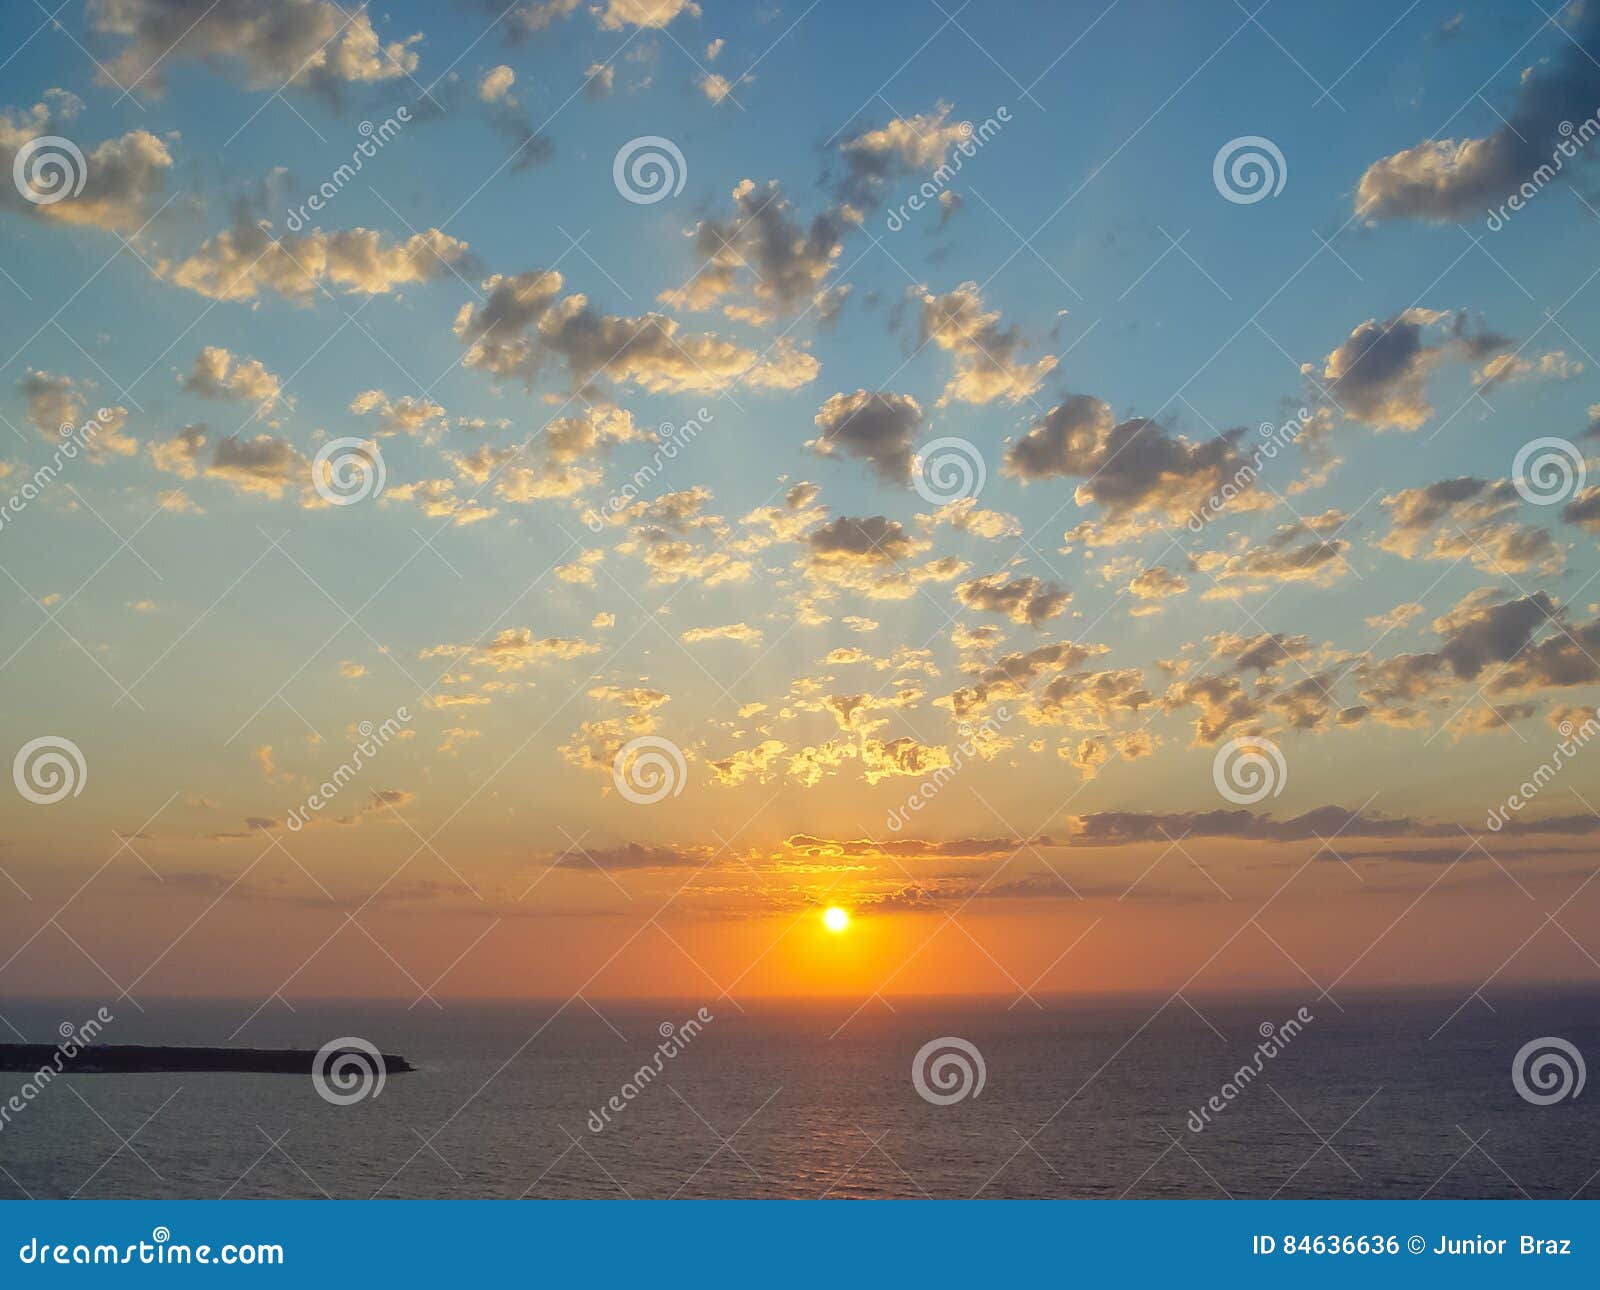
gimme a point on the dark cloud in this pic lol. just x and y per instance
(1454, 179)
(877, 427)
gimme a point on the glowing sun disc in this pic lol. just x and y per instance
(835, 919)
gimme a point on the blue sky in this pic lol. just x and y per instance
(228, 652)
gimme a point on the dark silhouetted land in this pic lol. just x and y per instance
(106, 1059)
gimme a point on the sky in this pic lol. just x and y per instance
(548, 500)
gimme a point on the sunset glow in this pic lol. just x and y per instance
(525, 509)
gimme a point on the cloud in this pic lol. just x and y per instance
(1465, 519)
(180, 455)
(1022, 599)
(870, 555)
(410, 414)
(620, 14)
(218, 374)
(264, 465)
(904, 146)
(879, 428)
(663, 533)
(1584, 509)
(56, 405)
(1485, 635)
(1135, 469)
(54, 402)
(632, 855)
(1510, 369)
(243, 262)
(522, 323)
(1444, 180)
(762, 253)
(313, 44)
(496, 83)
(438, 500)
(987, 362)
(717, 87)
(1379, 374)
(758, 763)
(965, 516)
(741, 632)
(1304, 551)
(512, 649)
(1155, 584)
(1121, 828)
(122, 178)
(1013, 675)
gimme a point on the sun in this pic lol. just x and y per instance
(835, 919)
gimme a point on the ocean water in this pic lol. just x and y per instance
(1397, 1095)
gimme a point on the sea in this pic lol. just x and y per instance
(1380, 1095)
